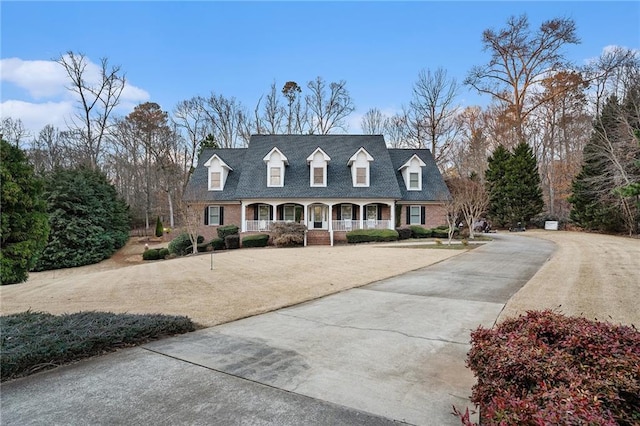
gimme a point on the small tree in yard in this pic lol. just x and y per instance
(452, 214)
(159, 228)
(472, 199)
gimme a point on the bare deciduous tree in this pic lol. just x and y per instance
(432, 112)
(471, 198)
(97, 97)
(520, 60)
(189, 115)
(328, 109)
(13, 131)
(372, 122)
(227, 120)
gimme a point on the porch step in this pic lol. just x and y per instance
(318, 238)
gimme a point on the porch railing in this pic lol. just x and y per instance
(258, 225)
(350, 225)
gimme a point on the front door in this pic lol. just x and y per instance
(318, 217)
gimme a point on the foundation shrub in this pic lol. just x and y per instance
(547, 368)
(287, 234)
(232, 241)
(217, 244)
(151, 254)
(225, 230)
(372, 235)
(164, 252)
(256, 240)
(181, 244)
(418, 231)
(404, 233)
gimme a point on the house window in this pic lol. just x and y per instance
(318, 176)
(346, 210)
(361, 175)
(372, 212)
(415, 215)
(214, 215)
(274, 176)
(414, 180)
(215, 180)
(289, 213)
(264, 212)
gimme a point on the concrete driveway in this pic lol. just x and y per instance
(390, 352)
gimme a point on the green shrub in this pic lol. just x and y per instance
(232, 241)
(287, 233)
(546, 368)
(256, 240)
(164, 252)
(34, 341)
(442, 231)
(204, 247)
(181, 244)
(159, 228)
(225, 230)
(404, 233)
(217, 244)
(418, 231)
(151, 254)
(372, 235)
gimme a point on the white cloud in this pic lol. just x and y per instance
(47, 99)
(41, 79)
(35, 116)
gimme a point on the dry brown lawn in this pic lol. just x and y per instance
(596, 276)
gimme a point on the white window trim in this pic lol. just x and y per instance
(209, 214)
(354, 165)
(313, 165)
(223, 169)
(342, 209)
(418, 185)
(410, 167)
(419, 222)
(283, 163)
(215, 188)
(280, 183)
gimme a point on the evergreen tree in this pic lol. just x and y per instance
(592, 203)
(159, 228)
(23, 222)
(523, 190)
(88, 220)
(495, 176)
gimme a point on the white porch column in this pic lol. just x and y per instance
(361, 216)
(243, 218)
(331, 223)
(305, 206)
(274, 214)
(392, 224)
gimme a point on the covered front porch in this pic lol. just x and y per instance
(334, 217)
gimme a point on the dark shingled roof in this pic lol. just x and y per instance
(248, 180)
(433, 186)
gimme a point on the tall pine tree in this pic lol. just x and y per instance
(592, 201)
(523, 186)
(513, 184)
(495, 177)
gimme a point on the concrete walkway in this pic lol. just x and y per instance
(387, 353)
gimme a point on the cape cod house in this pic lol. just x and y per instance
(331, 183)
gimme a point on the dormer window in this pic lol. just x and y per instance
(318, 162)
(218, 172)
(276, 162)
(412, 173)
(359, 163)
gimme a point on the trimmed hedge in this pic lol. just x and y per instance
(217, 244)
(224, 231)
(232, 241)
(546, 368)
(151, 254)
(256, 240)
(181, 244)
(34, 341)
(372, 235)
(404, 233)
(164, 252)
(418, 231)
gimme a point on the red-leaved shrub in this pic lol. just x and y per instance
(544, 368)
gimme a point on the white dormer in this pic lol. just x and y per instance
(275, 161)
(359, 163)
(318, 161)
(218, 172)
(412, 173)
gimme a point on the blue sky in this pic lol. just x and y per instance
(173, 51)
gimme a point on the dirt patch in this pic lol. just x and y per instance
(242, 282)
(590, 275)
